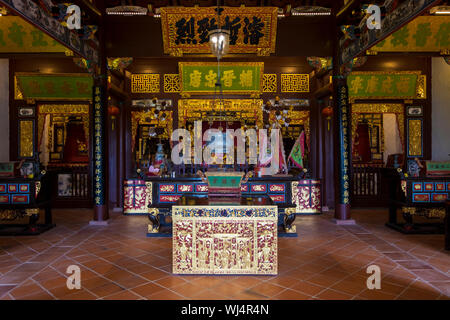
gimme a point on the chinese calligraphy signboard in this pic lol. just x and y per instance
(392, 21)
(55, 86)
(17, 36)
(373, 85)
(252, 30)
(37, 16)
(424, 34)
(236, 78)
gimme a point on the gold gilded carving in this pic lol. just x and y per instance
(176, 52)
(244, 109)
(404, 187)
(415, 137)
(37, 186)
(295, 83)
(297, 118)
(167, 188)
(31, 211)
(263, 52)
(431, 213)
(421, 89)
(149, 187)
(153, 228)
(171, 83)
(64, 108)
(294, 192)
(148, 117)
(26, 133)
(269, 82)
(224, 245)
(145, 83)
(267, 16)
(8, 214)
(292, 228)
(258, 188)
(436, 213)
(185, 188)
(18, 95)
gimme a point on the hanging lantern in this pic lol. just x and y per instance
(219, 42)
(113, 110)
(327, 112)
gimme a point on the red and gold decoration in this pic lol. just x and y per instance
(306, 194)
(137, 196)
(252, 30)
(327, 112)
(208, 241)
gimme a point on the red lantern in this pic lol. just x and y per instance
(327, 112)
(113, 110)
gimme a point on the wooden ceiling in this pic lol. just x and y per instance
(228, 3)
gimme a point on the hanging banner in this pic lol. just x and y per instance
(54, 86)
(252, 29)
(423, 34)
(372, 85)
(99, 152)
(236, 78)
(343, 111)
(18, 36)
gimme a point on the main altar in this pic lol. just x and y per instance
(225, 235)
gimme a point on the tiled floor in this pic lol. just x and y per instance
(325, 262)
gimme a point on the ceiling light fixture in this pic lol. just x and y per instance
(127, 11)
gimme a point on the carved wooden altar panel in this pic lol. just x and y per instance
(225, 240)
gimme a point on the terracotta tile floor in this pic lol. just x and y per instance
(325, 262)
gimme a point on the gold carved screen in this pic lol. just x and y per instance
(297, 119)
(244, 110)
(148, 118)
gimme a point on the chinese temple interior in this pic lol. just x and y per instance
(340, 110)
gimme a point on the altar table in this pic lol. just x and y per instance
(225, 235)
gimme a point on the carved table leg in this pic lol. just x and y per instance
(407, 213)
(154, 219)
(289, 218)
(33, 218)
